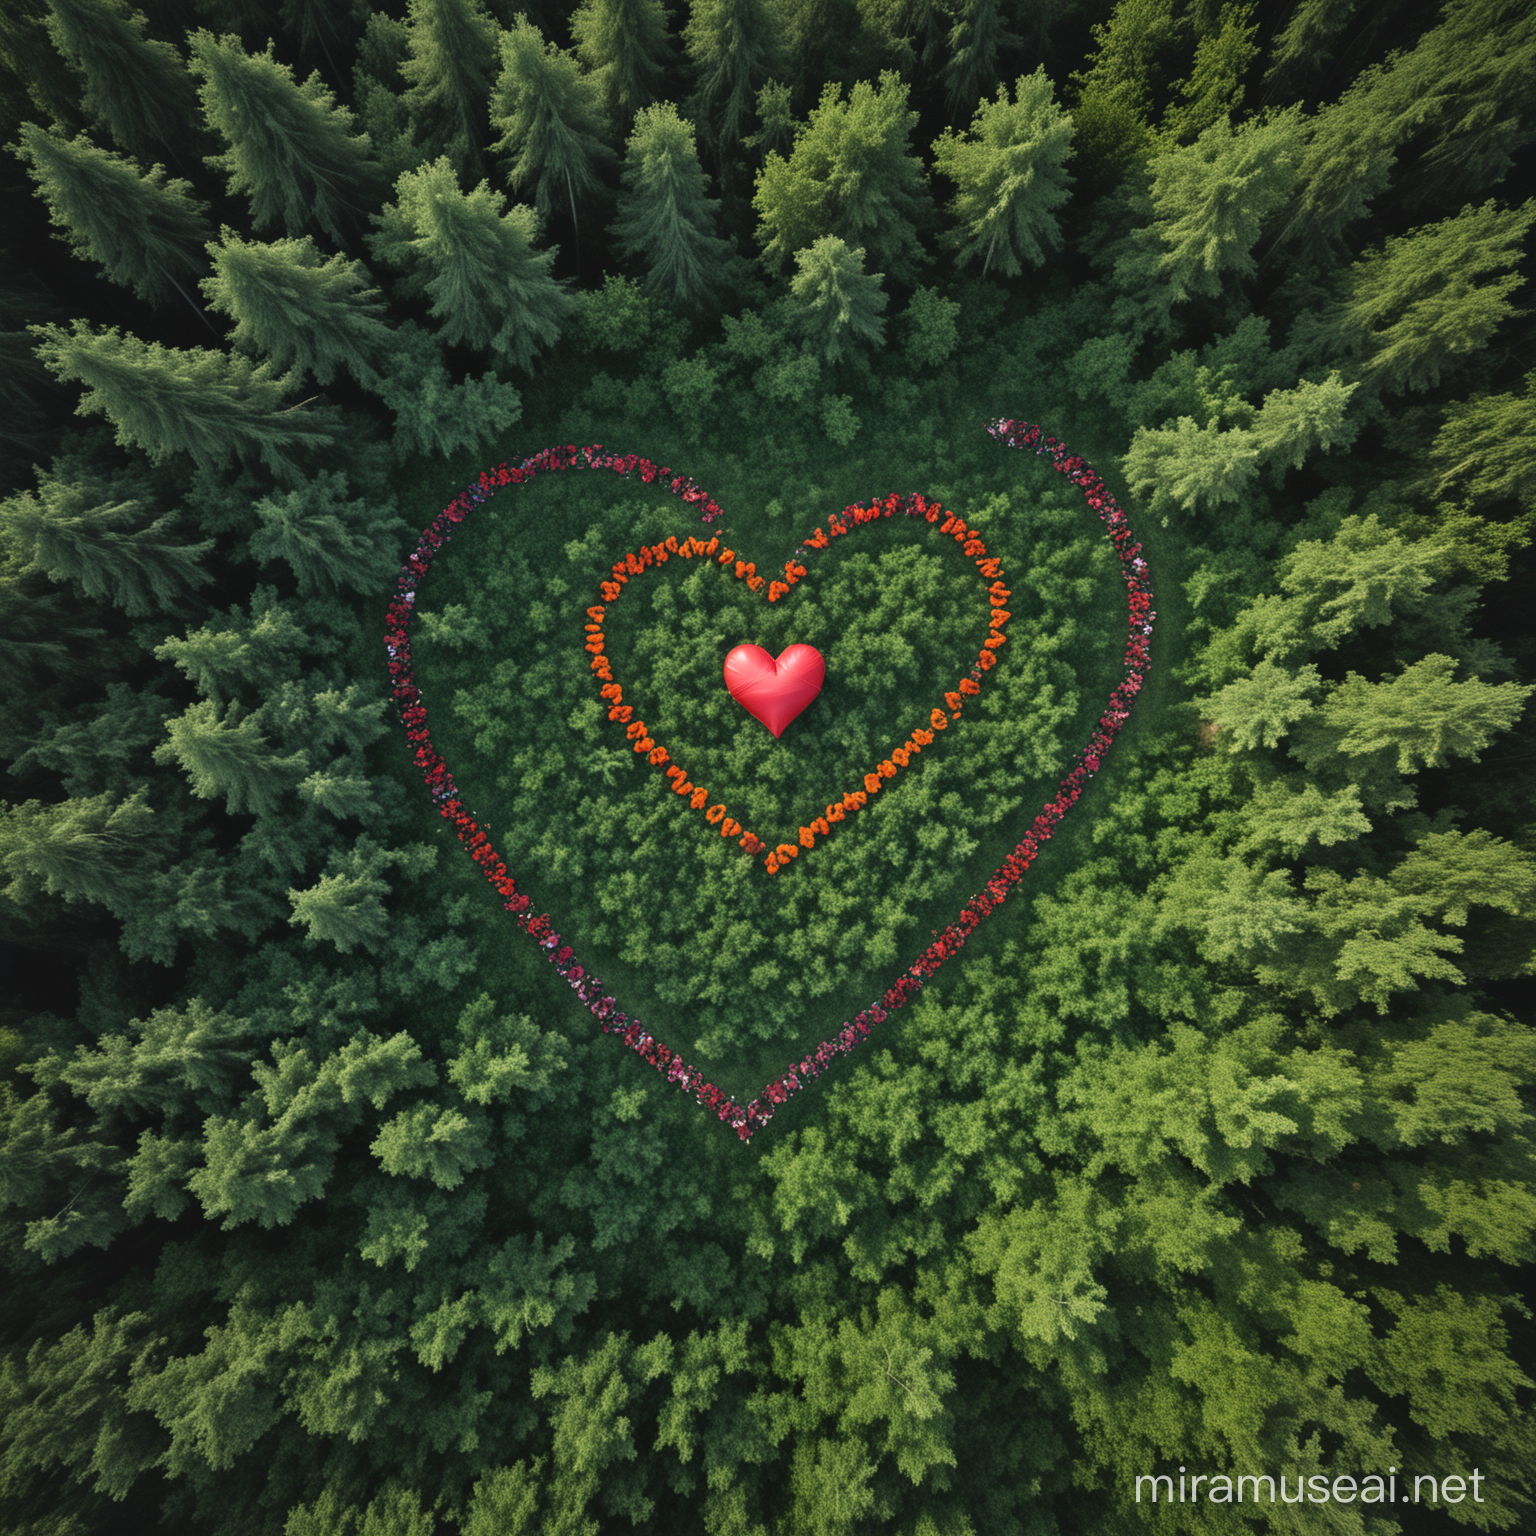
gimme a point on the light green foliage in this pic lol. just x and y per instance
(1115, 93)
(345, 906)
(452, 51)
(1486, 448)
(145, 230)
(837, 305)
(851, 174)
(83, 849)
(1213, 92)
(1191, 467)
(734, 47)
(227, 755)
(1010, 170)
(624, 46)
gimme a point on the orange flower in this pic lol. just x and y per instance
(712, 546)
(715, 814)
(644, 744)
(773, 863)
(1000, 616)
(987, 660)
(755, 583)
(938, 720)
(699, 799)
(990, 568)
(901, 757)
(659, 755)
(855, 800)
(953, 700)
(871, 783)
(886, 769)
(994, 640)
(726, 556)
(611, 691)
(835, 811)
(674, 772)
(621, 712)
(969, 685)
(600, 664)
(787, 851)
(923, 738)
(636, 728)
(671, 543)
(776, 590)
(729, 828)
(595, 614)
(975, 548)
(681, 786)
(820, 825)
(807, 838)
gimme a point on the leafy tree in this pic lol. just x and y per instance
(664, 218)
(169, 400)
(837, 305)
(138, 88)
(226, 755)
(550, 117)
(305, 312)
(850, 174)
(146, 232)
(291, 148)
(448, 73)
(735, 48)
(1010, 170)
(625, 47)
(931, 331)
(489, 287)
(974, 42)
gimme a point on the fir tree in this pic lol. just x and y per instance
(1307, 43)
(346, 906)
(475, 259)
(625, 46)
(90, 849)
(169, 400)
(837, 305)
(138, 88)
(304, 312)
(448, 72)
(227, 756)
(550, 118)
(974, 43)
(146, 232)
(665, 220)
(291, 148)
(432, 413)
(1010, 171)
(1214, 89)
(734, 46)
(328, 540)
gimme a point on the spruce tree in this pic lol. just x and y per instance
(665, 220)
(625, 46)
(291, 148)
(448, 72)
(974, 43)
(90, 849)
(304, 312)
(346, 906)
(138, 88)
(836, 304)
(475, 259)
(329, 540)
(1010, 170)
(146, 232)
(227, 756)
(166, 400)
(735, 46)
(851, 174)
(550, 117)
(1214, 89)
(432, 413)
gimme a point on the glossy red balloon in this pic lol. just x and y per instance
(774, 691)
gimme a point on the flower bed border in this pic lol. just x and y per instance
(746, 1120)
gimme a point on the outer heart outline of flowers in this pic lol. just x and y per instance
(746, 1120)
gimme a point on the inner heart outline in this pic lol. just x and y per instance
(746, 1120)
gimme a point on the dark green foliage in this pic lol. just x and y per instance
(625, 47)
(735, 48)
(448, 74)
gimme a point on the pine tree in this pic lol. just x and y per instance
(1307, 44)
(147, 232)
(346, 906)
(290, 146)
(378, 88)
(836, 304)
(625, 47)
(735, 47)
(328, 540)
(304, 312)
(489, 287)
(432, 413)
(851, 174)
(1486, 449)
(974, 43)
(1190, 466)
(1214, 89)
(448, 71)
(665, 219)
(550, 117)
(227, 756)
(138, 88)
(1010, 170)
(169, 400)
(76, 528)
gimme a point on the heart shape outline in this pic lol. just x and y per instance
(748, 1119)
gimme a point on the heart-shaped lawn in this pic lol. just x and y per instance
(634, 858)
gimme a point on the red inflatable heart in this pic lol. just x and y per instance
(774, 691)
(745, 1120)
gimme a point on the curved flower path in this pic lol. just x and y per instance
(746, 1120)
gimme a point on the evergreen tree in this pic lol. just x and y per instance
(974, 42)
(1486, 449)
(291, 148)
(1010, 171)
(489, 287)
(169, 400)
(1214, 89)
(227, 756)
(1190, 466)
(138, 88)
(734, 46)
(328, 540)
(448, 71)
(432, 413)
(76, 528)
(837, 304)
(346, 906)
(625, 47)
(92, 849)
(378, 88)
(550, 117)
(1307, 43)
(851, 174)
(304, 312)
(664, 219)
(776, 120)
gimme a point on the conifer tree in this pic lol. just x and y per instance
(304, 312)
(327, 539)
(448, 72)
(837, 305)
(432, 413)
(140, 89)
(168, 400)
(550, 117)
(1214, 89)
(1486, 449)
(775, 119)
(974, 42)
(378, 88)
(475, 259)
(735, 47)
(625, 47)
(851, 174)
(291, 148)
(1307, 43)
(227, 756)
(94, 848)
(74, 528)
(146, 231)
(1010, 170)
(346, 905)
(665, 220)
